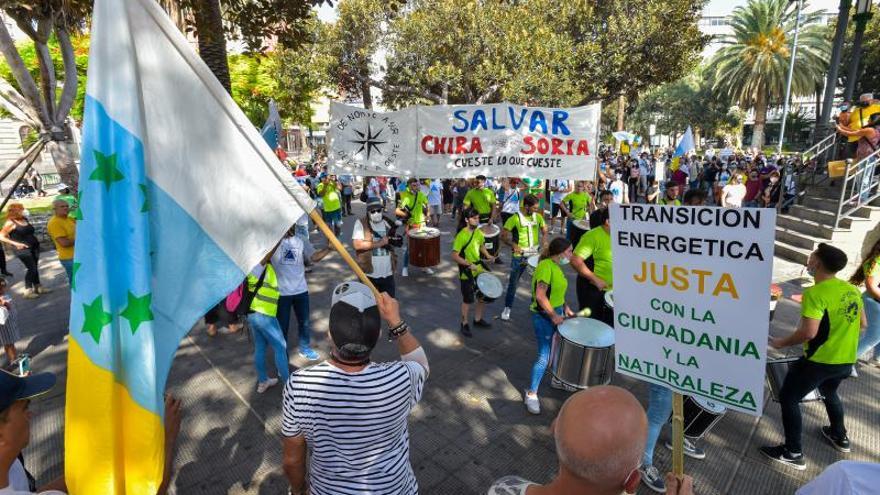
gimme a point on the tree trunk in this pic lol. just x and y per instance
(760, 120)
(64, 156)
(621, 106)
(212, 40)
(365, 93)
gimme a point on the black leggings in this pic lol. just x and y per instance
(30, 257)
(589, 296)
(803, 377)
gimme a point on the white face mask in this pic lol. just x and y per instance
(564, 261)
(773, 180)
(376, 217)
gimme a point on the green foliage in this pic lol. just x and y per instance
(28, 52)
(530, 51)
(869, 63)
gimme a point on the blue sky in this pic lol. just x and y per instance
(724, 7)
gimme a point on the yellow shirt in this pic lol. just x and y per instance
(859, 118)
(62, 227)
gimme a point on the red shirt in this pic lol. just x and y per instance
(753, 189)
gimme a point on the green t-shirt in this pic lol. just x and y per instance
(330, 195)
(664, 201)
(416, 206)
(550, 273)
(481, 199)
(522, 224)
(837, 305)
(471, 250)
(597, 243)
(577, 203)
(872, 267)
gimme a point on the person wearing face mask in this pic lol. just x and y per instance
(859, 118)
(832, 316)
(467, 248)
(549, 309)
(619, 188)
(733, 193)
(375, 254)
(770, 196)
(753, 189)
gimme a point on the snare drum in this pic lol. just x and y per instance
(776, 371)
(492, 234)
(700, 415)
(578, 228)
(583, 353)
(424, 247)
(533, 263)
(609, 299)
(489, 287)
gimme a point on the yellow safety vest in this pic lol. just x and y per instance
(266, 299)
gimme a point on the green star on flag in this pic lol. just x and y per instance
(138, 310)
(106, 170)
(76, 214)
(73, 270)
(146, 206)
(95, 318)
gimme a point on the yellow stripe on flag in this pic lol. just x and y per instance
(114, 446)
(674, 165)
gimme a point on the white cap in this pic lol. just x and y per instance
(354, 294)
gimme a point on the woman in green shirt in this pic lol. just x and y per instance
(548, 310)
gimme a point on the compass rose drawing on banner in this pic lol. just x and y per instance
(368, 141)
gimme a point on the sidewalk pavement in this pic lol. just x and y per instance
(470, 428)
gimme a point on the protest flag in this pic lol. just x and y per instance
(685, 145)
(180, 198)
(271, 130)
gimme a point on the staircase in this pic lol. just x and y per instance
(842, 214)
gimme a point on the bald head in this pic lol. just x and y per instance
(600, 435)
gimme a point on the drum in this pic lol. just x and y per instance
(609, 299)
(533, 263)
(424, 247)
(700, 415)
(583, 353)
(578, 228)
(776, 371)
(492, 233)
(489, 287)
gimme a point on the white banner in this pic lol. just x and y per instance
(692, 299)
(498, 140)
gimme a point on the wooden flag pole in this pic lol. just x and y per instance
(315, 215)
(678, 435)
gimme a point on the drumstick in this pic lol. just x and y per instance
(315, 215)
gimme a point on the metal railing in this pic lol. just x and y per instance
(818, 154)
(861, 185)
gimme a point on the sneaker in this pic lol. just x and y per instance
(482, 323)
(839, 443)
(31, 294)
(42, 290)
(505, 315)
(652, 478)
(404, 272)
(309, 353)
(532, 403)
(429, 271)
(559, 385)
(781, 455)
(263, 386)
(466, 330)
(854, 373)
(690, 449)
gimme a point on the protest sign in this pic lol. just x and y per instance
(500, 140)
(692, 299)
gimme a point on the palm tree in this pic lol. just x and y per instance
(752, 66)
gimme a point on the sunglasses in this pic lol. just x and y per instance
(374, 210)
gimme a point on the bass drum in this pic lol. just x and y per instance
(533, 263)
(776, 371)
(578, 228)
(583, 353)
(424, 247)
(492, 234)
(700, 415)
(489, 287)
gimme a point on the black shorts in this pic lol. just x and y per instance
(555, 210)
(468, 291)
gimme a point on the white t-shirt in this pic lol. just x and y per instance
(381, 256)
(355, 425)
(510, 201)
(18, 482)
(733, 194)
(845, 478)
(289, 268)
(510, 485)
(556, 196)
(618, 190)
(434, 193)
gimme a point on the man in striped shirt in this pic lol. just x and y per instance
(351, 414)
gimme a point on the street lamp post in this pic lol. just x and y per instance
(862, 16)
(797, 29)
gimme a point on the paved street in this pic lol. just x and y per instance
(469, 429)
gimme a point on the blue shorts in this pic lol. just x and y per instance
(333, 216)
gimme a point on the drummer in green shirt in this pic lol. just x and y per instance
(548, 310)
(412, 209)
(592, 283)
(574, 207)
(529, 226)
(832, 316)
(467, 247)
(482, 199)
(330, 192)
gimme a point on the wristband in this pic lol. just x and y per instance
(398, 330)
